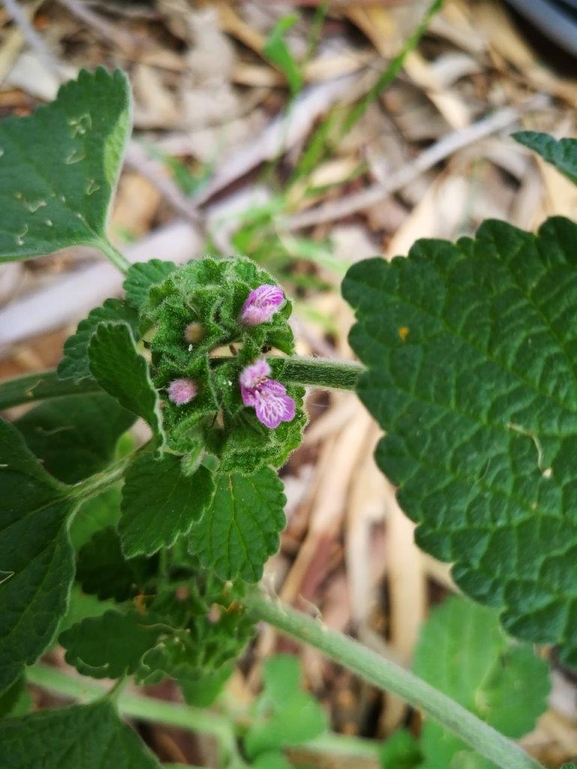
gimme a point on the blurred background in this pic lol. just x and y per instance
(306, 134)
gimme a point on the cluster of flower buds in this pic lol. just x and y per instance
(267, 396)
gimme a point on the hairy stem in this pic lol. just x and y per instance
(206, 721)
(112, 253)
(322, 372)
(40, 386)
(99, 482)
(391, 677)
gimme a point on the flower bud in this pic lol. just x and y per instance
(182, 391)
(261, 304)
(194, 332)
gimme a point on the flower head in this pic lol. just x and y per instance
(182, 391)
(271, 403)
(261, 304)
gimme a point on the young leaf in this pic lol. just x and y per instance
(75, 363)
(75, 436)
(560, 153)
(141, 276)
(285, 714)
(36, 558)
(87, 736)
(160, 503)
(118, 367)
(470, 350)
(108, 646)
(59, 167)
(463, 652)
(240, 529)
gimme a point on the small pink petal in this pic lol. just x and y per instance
(261, 304)
(253, 375)
(274, 407)
(182, 391)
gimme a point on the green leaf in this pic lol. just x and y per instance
(75, 436)
(93, 515)
(560, 153)
(75, 363)
(16, 700)
(271, 760)
(470, 350)
(401, 751)
(463, 652)
(36, 557)
(59, 167)
(123, 372)
(108, 646)
(141, 276)
(240, 529)
(87, 736)
(277, 51)
(103, 570)
(160, 503)
(284, 714)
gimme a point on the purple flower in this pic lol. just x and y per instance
(261, 304)
(269, 398)
(181, 391)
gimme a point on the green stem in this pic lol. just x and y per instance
(322, 372)
(37, 387)
(391, 677)
(99, 482)
(134, 705)
(183, 716)
(117, 259)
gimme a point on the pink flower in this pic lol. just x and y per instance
(181, 391)
(269, 398)
(261, 304)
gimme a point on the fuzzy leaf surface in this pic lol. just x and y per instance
(87, 736)
(160, 503)
(75, 436)
(240, 528)
(463, 652)
(142, 276)
(560, 153)
(75, 363)
(471, 352)
(35, 555)
(108, 646)
(59, 167)
(123, 372)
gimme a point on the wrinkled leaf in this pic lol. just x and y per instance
(141, 276)
(75, 436)
(108, 646)
(560, 153)
(75, 363)
(240, 528)
(120, 370)
(36, 558)
(78, 737)
(471, 352)
(160, 503)
(59, 167)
